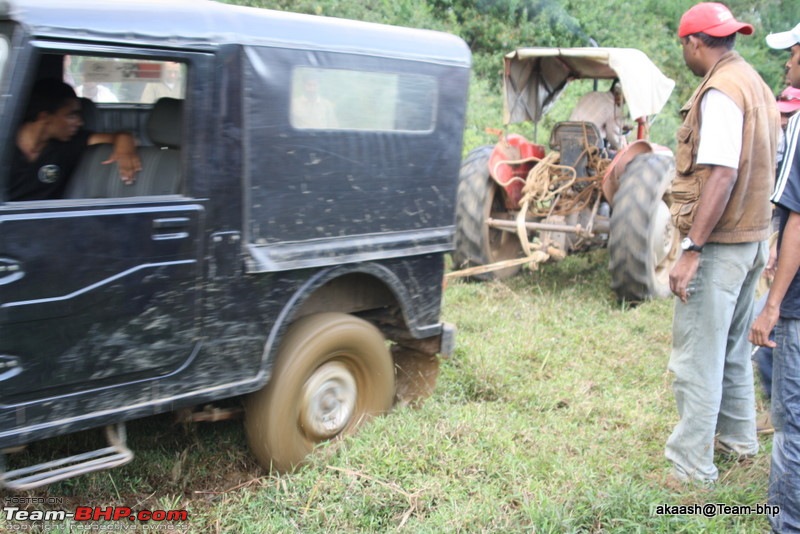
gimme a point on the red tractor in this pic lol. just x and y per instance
(520, 204)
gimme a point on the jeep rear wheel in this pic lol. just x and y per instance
(643, 243)
(479, 199)
(332, 373)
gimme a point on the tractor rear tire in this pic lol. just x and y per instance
(479, 198)
(643, 243)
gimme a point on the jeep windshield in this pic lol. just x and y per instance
(106, 80)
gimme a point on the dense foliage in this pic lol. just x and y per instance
(493, 27)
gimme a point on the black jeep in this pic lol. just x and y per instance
(284, 242)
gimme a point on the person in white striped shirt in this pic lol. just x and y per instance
(782, 311)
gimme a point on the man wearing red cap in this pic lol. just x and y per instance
(782, 311)
(725, 167)
(788, 104)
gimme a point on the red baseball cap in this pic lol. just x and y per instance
(789, 100)
(711, 18)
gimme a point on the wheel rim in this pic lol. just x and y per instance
(502, 245)
(328, 401)
(663, 242)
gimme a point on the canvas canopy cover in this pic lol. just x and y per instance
(535, 77)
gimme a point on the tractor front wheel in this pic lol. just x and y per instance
(643, 243)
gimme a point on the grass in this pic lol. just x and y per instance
(551, 417)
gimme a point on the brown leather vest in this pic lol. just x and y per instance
(746, 217)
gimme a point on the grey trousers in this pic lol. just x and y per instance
(710, 360)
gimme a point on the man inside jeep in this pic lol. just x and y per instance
(170, 85)
(51, 140)
(310, 109)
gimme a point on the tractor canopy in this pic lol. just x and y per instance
(535, 77)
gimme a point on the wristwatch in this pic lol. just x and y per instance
(688, 244)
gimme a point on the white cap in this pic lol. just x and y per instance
(784, 40)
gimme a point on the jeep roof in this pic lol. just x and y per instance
(183, 24)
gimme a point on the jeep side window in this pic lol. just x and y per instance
(340, 99)
(141, 96)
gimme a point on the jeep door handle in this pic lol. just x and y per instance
(10, 271)
(9, 367)
(171, 228)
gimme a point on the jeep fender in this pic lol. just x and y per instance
(301, 303)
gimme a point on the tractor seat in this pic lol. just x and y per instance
(571, 139)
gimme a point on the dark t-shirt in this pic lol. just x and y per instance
(787, 196)
(47, 177)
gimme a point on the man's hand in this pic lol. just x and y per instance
(683, 273)
(763, 325)
(126, 157)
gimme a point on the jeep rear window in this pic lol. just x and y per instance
(338, 99)
(115, 80)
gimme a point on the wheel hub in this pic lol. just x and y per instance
(662, 241)
(328, 401)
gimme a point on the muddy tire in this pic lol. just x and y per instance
(333, 372)
(643, 243)
(479, 198)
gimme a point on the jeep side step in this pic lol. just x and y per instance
(116, 454)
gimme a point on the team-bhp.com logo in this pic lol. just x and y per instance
(93, 513)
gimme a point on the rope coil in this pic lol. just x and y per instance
(549, 189)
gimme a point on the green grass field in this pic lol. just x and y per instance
(551, 417)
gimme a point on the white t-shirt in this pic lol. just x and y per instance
(720, 131)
